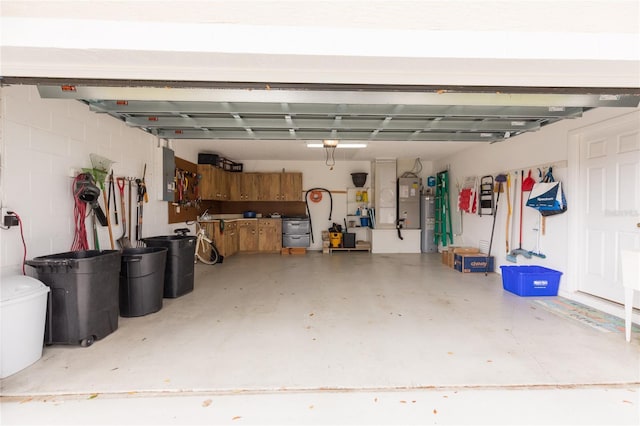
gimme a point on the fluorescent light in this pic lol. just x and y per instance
(342, 145)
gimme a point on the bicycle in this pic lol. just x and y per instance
(206, 250)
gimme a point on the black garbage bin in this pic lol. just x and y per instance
(83, 303)
(142, 280)
(178, 275)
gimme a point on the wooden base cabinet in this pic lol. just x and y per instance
(248, 236)
(269, 235)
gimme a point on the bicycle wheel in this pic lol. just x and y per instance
(207, 252)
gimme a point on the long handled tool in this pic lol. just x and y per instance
(130, 179)
(499, 179)
(538, 253)
(106, 206)
(512, 257)
(123, 240)
(112, 189)
(508, 185)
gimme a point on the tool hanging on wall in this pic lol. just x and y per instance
(486, 196)
(506, 233)
(130, 180)
(500, 179)
(112, 190)
(512, 257)
(123, 241)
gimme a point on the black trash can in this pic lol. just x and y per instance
(178, 275)
(83, 303)
(142, 280)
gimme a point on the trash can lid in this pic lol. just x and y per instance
(20, 286)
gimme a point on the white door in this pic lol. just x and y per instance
(610, 184)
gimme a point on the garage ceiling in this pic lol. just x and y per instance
(255, 112)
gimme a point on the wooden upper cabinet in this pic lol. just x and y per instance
(268, 185)
(205, 186)
(290, 186)
(249, 187)
(234, 183)
(221, 185)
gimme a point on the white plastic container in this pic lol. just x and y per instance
(23, 309)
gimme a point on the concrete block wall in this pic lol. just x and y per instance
(43, 141)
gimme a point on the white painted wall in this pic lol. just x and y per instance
(547, 146)
(41, 141)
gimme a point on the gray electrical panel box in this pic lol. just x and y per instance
(168, 174)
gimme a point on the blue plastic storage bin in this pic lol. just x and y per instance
(530, 280)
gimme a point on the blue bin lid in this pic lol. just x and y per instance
(18, 287)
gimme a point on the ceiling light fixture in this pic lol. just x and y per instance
(329, 149)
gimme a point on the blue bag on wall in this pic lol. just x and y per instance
(548, 196)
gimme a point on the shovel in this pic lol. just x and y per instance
(123, 240)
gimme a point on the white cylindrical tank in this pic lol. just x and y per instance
(23, 308)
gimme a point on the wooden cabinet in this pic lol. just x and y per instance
(230, 236)
(220, 185)
(205, 186)
(290, 186)
(248, 235)
(234, 182)
(226, 240)
(268, 185)
(213, 184)
(248, 186)
(269, 235)
(245, 235)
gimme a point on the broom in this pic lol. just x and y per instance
(499, 179)
(512, 257)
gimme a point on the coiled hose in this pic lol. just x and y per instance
(306, 201)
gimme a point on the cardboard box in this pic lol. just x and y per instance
(448, 255)
(473, 263)
(450, 258)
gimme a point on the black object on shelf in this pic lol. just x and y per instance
(142, 280)
(179, 268)
(83, 303)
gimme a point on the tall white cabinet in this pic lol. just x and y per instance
(385, 194)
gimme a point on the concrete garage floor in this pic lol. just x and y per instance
(348, 338)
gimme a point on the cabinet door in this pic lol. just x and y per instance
(268, 186)
(230, 239)
(222, 188)
(248, 235)
(249, 185)
(269, 235)
(291, 187)
(209, 231)
(234, 183)
(205, 186)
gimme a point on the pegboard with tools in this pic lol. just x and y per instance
(186, 201)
